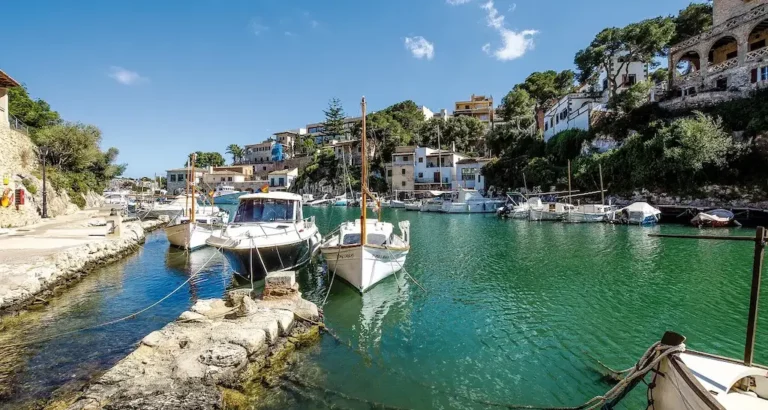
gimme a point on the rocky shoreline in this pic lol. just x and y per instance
(31, 280)
(204, 358)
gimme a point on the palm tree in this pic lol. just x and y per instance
(236, 151)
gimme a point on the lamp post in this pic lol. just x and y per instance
(43, 153)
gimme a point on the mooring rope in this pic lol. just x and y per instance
(646, 363)
(335, 268)
(118, 320)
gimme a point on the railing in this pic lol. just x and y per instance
(721, 28)
(757, 54)
(716, 68)
(689, 76)
(16, 124)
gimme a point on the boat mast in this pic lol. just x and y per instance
(186, 191)
(569, 181)
(364, 179)
(439, 158)
(602, 191)
(194, 200)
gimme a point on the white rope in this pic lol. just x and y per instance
(124, 318)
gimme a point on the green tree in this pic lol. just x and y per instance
(692, 21)
(207, 159)
(517, 103)
(613, 49)
(544, 87)
(467, 133)
(566, 145)
(35, 113)
(632, 98)
(333, 127)
(236, 151)
(70, 146)
(662, 74)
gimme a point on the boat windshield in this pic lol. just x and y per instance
(264, 210)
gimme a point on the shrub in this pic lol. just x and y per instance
(31, 187)
(566, 145)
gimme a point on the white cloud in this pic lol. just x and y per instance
(420, 47)
(289, 34)
(125, 77)
(257, 28)
(457, 2)
(314, 23)
(514, 44)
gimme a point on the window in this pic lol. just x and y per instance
(421, 159)
(405, 159)
(732, 54)
(264, 210)
(229, 179)
(632, 80)
(402, 171)
(421, 175)
(222, 179)
(722, 84)
(389, 172)
(402, 183)
(764, 73)
(173, 177)
(281, 182)
(466, 107)
(605, 84)
(180, 177)
(758, 45)
(546, 126)
(264, 168)
(468, 174)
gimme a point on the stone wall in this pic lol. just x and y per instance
(706, 99)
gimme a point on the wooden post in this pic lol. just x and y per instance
(602, 191)
(757, 272)
(569, 181)
(364, 179)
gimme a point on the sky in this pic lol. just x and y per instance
(165, 78)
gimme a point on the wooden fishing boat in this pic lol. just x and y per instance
(365, 251)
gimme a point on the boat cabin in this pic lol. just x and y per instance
(377, 233)
(269, 207)
(558, 207)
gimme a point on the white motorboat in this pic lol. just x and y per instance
(588, 213)
(307, 198)
(365, 251)
(192, 233)
(640, 213)
(433, 204)
(268, 234)
(116, 199)
(553, 211)
(470, 201)
(412, 205)
(226, 194)
(394, 203)
(177, 207)
(340, 200)
(318, 202)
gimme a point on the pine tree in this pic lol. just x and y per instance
(333, 127)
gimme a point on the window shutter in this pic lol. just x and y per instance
(754, 75)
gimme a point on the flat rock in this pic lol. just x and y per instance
(224, 355)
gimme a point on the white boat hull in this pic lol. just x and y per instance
(189, 236)
(432, 208)
(484, 207)
(540, 215)
(396, 204)
(364, 266)
(581, 217)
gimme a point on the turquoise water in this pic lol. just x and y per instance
(514, 312)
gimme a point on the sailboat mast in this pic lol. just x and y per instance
(186, 191)
(602, 191)
(192, 183)
(364, 180)
(569, 181)
(439, 159)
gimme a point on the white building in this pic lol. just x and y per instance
(469, 174)
(282, 180)
(434, 169)
(574, 111)
(6, 82)
(222, 178)
(259, 153)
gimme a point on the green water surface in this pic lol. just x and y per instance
(514, 312)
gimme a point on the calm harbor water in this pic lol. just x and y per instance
(515, 312)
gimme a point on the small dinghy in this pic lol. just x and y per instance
(716, 218)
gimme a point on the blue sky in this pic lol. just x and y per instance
(165, 78)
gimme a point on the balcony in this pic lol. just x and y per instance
(716, 68)
(434, 165)
(757, 54)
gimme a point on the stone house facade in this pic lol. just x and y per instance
(732, 57)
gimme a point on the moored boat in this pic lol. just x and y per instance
(716, 218)
(588, 213)
(639, 213)
(366, 251)
(192, 233)
(553, 211)
(470, 201)
(267, 234)
(412, 205)
(226, 194)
